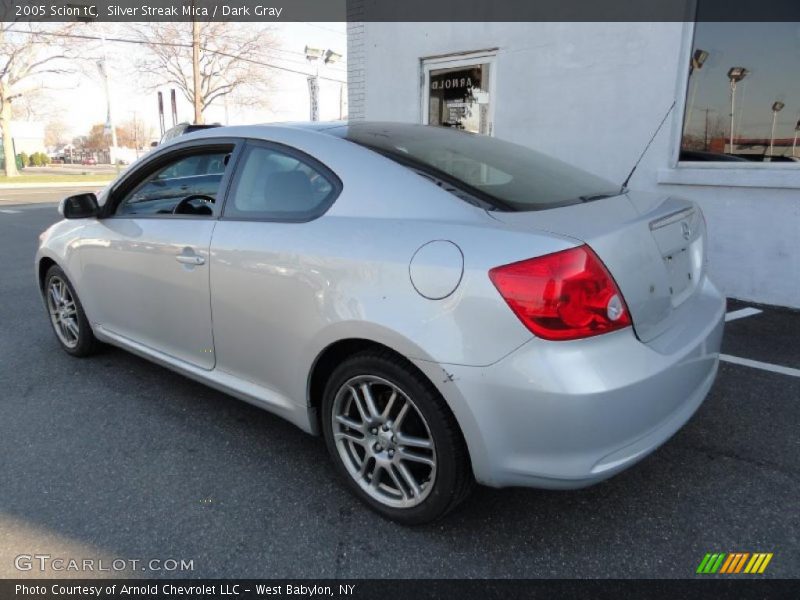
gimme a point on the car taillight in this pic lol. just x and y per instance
(563, 296)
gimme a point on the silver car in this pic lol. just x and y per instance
(444, 308)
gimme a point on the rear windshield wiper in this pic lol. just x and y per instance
(590, 197)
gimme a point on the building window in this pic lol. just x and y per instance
(743, 93)
(457, 92)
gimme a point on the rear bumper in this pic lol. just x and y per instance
(570, 414)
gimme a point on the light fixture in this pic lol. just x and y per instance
(777, 106)
(736, 74)
(698, 58)
(313, 53)
(332, 57)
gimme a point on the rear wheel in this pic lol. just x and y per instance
(393, 438)
(66, 314)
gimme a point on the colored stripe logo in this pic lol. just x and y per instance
(734, 563)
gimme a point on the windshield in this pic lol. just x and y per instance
(497, 174)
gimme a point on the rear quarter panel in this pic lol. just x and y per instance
(283, 292)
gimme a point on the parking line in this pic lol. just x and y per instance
(742, 313)
(757, 364)
(9, 211)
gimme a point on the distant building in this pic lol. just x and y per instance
(28, 136)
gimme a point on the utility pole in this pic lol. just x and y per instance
(136, 133)
(315, 55)
(705, 135)
(198, 106)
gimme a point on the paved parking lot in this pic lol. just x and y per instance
(117, 457)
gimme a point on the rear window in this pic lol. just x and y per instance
(483, 170)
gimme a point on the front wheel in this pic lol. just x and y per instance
(69, 322)
(393, 438)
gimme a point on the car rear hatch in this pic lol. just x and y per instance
(654, 247)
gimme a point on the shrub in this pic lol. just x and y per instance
(39, 159)
(22, 157)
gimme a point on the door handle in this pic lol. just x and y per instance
(190, 260)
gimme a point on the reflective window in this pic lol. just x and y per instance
(458, 97)
(743, 94)
(278, 186)
(185, 186)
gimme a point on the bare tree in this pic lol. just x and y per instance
(55, 133)
(135, 133)
(225, 61)
(28, 52)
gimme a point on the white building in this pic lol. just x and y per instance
(28, 136)
(593, 94)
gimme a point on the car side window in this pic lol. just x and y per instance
(280, 186)
(185, 186)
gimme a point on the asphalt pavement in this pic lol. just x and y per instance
(113, 456)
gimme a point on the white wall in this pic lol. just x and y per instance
(593, 94)
(28, 136)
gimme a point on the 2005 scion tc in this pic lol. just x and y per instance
(442, 307)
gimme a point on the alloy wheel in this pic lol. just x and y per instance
(63, 312)
(384, 441)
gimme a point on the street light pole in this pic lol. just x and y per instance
(777, 106)
(735, 75)
(698, 59)
(102, 67)
(794, 143)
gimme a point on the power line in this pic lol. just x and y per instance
(175, 45)
(278, 50)
(331, 29)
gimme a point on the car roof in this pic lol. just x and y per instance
(338, 128)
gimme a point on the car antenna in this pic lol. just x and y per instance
(646, 148)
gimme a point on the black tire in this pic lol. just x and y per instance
(453, 478)
(86, 343)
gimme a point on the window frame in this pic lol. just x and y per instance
(300, 156)
(161, 158)
(457, 60)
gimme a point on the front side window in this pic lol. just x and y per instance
(743, 93)
(280, 186)
(185, 186)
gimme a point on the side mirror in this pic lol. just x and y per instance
(79, 206)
